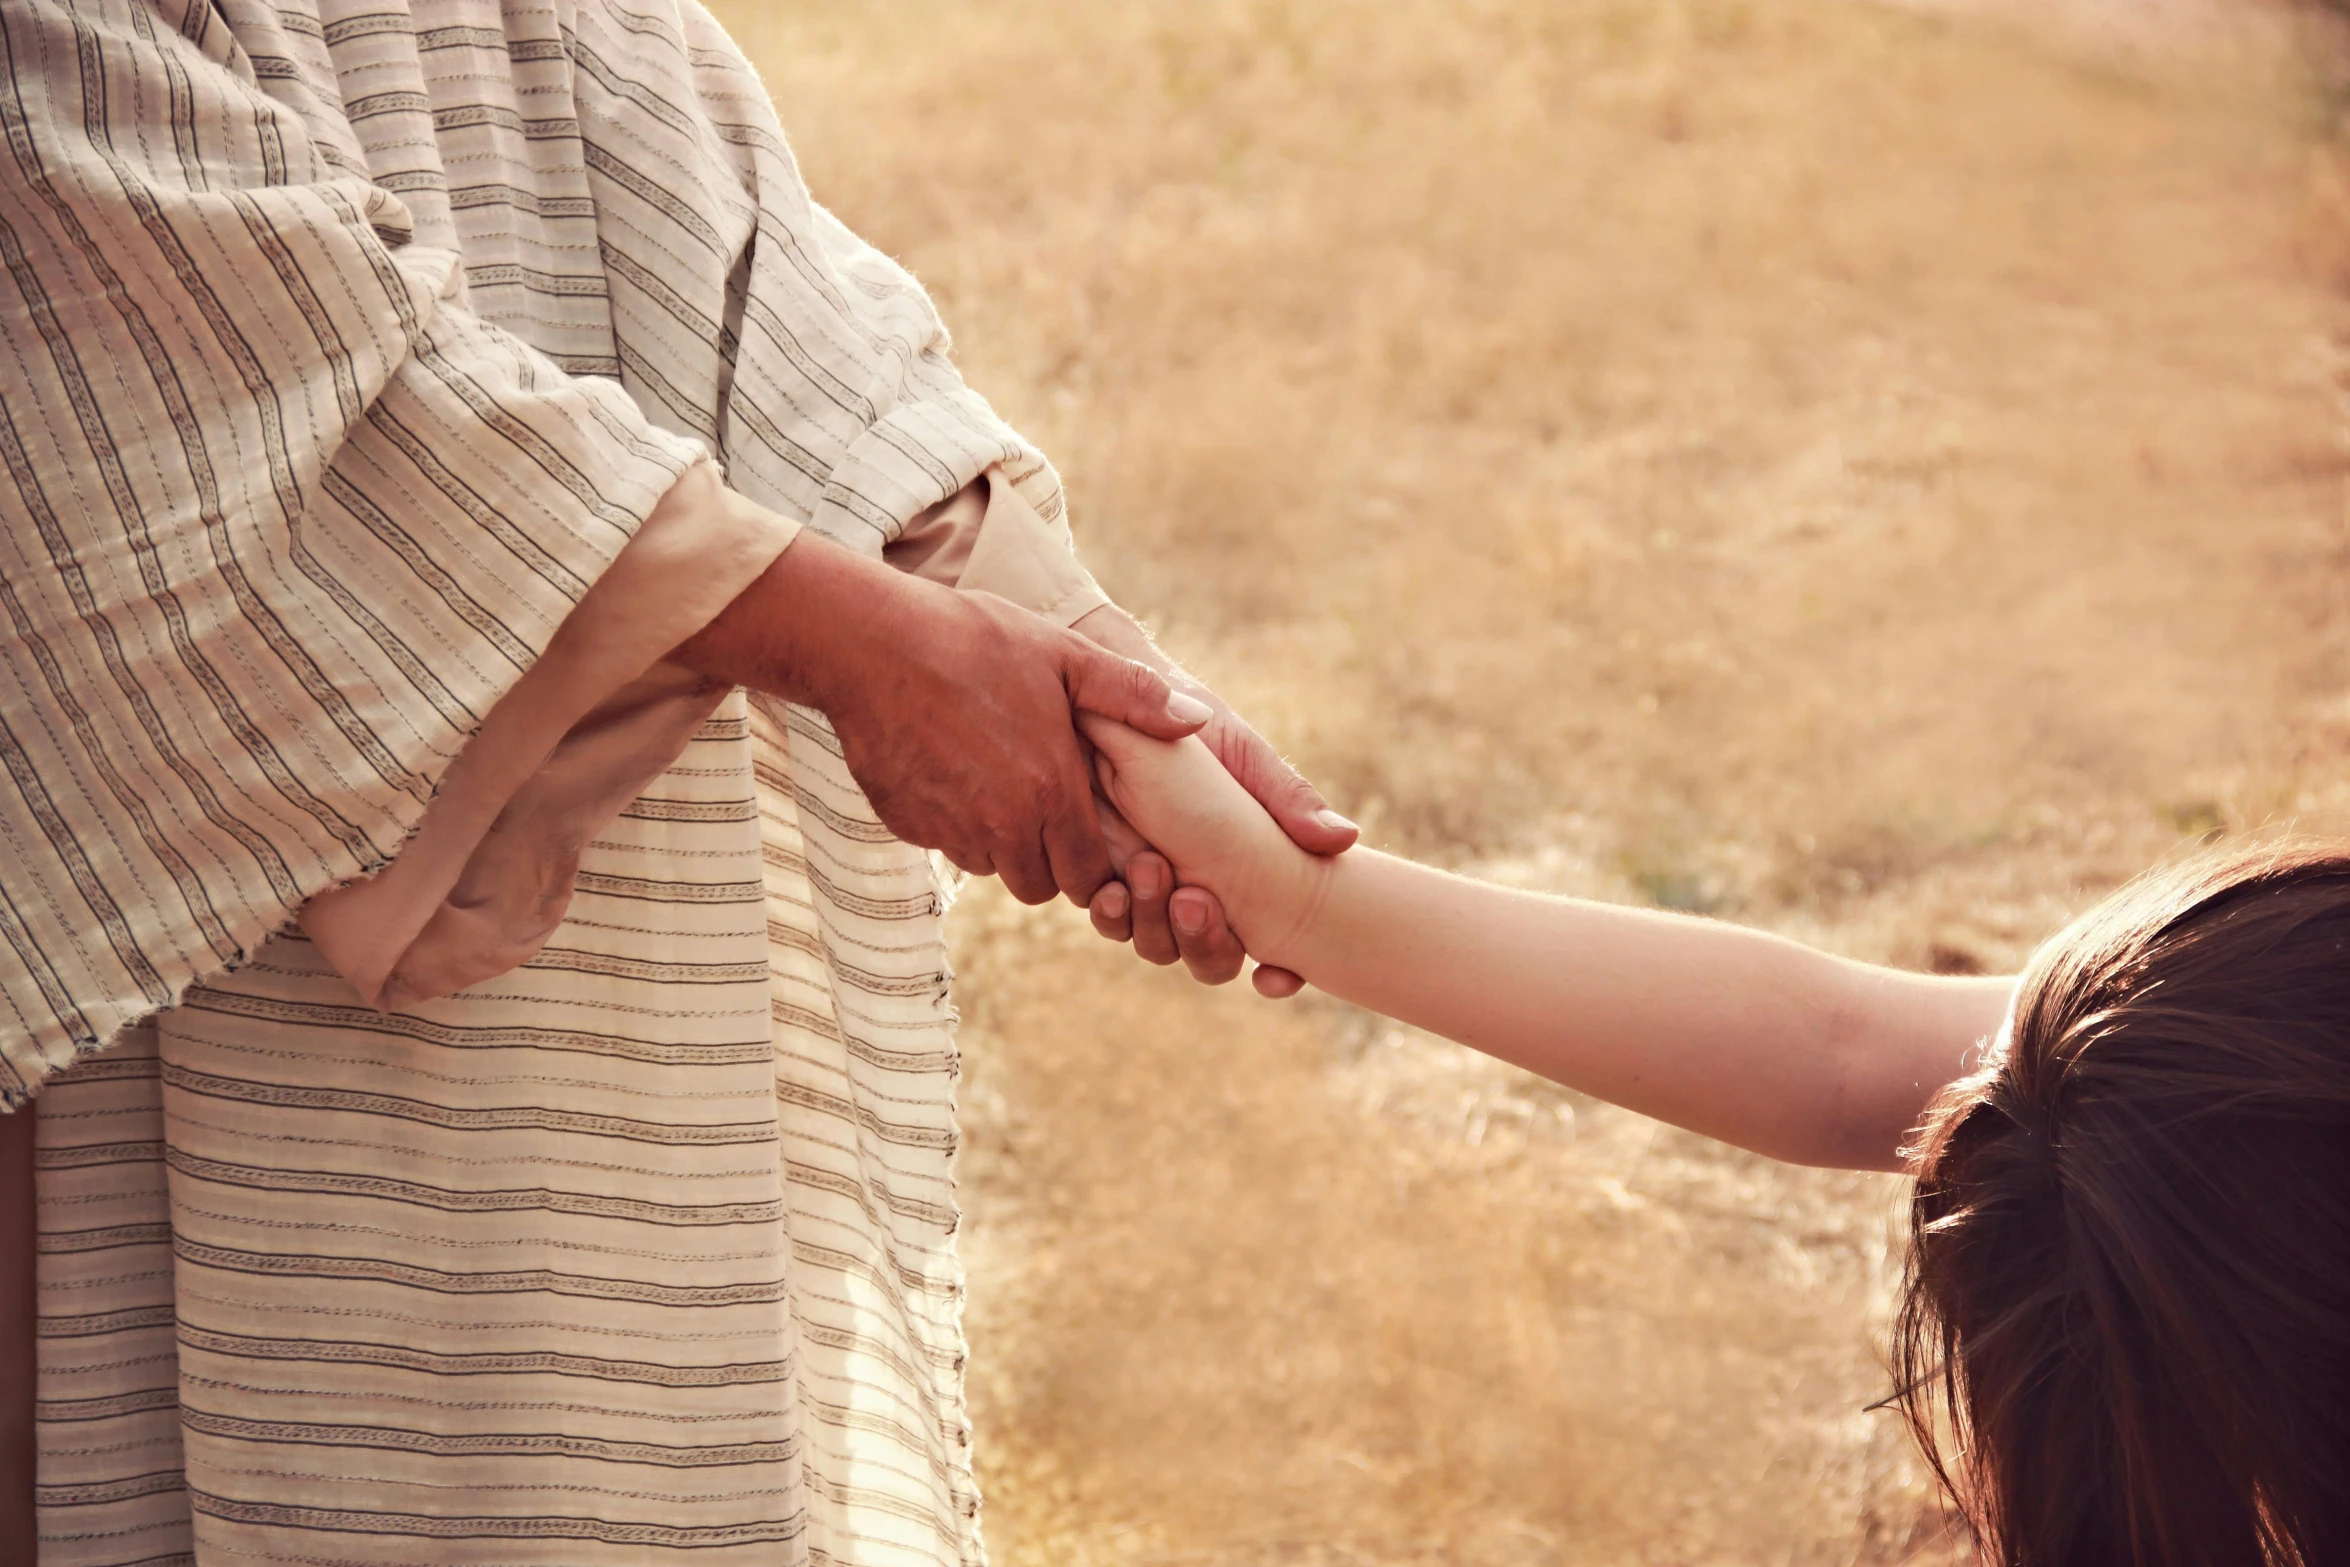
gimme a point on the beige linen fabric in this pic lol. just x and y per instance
(344, 346)
(986, 538)
(490, 871)
(488, 874)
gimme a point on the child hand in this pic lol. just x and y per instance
(1179, 797)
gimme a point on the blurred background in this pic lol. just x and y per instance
(1872, 471)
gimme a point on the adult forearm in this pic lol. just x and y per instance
(954, 711)
(1735, 1033)
(817, 613)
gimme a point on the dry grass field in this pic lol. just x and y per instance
(1872, 471)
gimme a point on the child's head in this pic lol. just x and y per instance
(2127, 1331)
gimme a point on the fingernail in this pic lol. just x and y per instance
(1186, 709)
(1143, 880)
(1190, 917)
(1114, 901)
(1335, 822)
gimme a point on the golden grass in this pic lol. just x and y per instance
(1873, 472)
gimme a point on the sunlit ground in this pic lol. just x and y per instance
(1875, 472)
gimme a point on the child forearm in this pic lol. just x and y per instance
(1734, 1033)
(1740, 1035)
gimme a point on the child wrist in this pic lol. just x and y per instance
(1295, 911)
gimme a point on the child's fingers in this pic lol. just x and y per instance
(1105, 776)
(1125, 843)
(1112, 738)
(1118, 752)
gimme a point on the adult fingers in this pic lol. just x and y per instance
(1296, 804)
(1124, 842)
(1112, 910)
(1210, 950)
(1277, 984)
(1026, 869)
(1150, 879)
(1134, 694)
(1073, 836)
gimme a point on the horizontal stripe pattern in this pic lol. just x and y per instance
(345, 344)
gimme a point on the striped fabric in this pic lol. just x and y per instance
(342, 346)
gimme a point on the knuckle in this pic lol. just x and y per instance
(1143, 684)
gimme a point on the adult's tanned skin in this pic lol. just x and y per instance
(954, 710)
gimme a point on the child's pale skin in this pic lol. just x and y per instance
(1735, 1033)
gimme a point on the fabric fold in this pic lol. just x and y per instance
(1017, 555)
(489, 873)
(343, 353)
(988, 538)
(284, 517)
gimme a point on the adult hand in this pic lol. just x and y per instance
(954, 710)
(1166, 922)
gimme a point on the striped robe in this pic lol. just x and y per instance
(343, 344)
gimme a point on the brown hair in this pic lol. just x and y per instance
(2126, 1331)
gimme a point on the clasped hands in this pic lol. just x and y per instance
(958, 713)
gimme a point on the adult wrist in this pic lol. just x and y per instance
(818, 613)
(824, 608)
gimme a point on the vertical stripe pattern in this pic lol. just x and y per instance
(342, 344)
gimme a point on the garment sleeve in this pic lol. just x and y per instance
(489, 872)
(488, 876)
(817, 364)
(933, 434)
(283, 520)
(986, 538)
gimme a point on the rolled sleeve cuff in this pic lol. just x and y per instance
(1017, 555)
